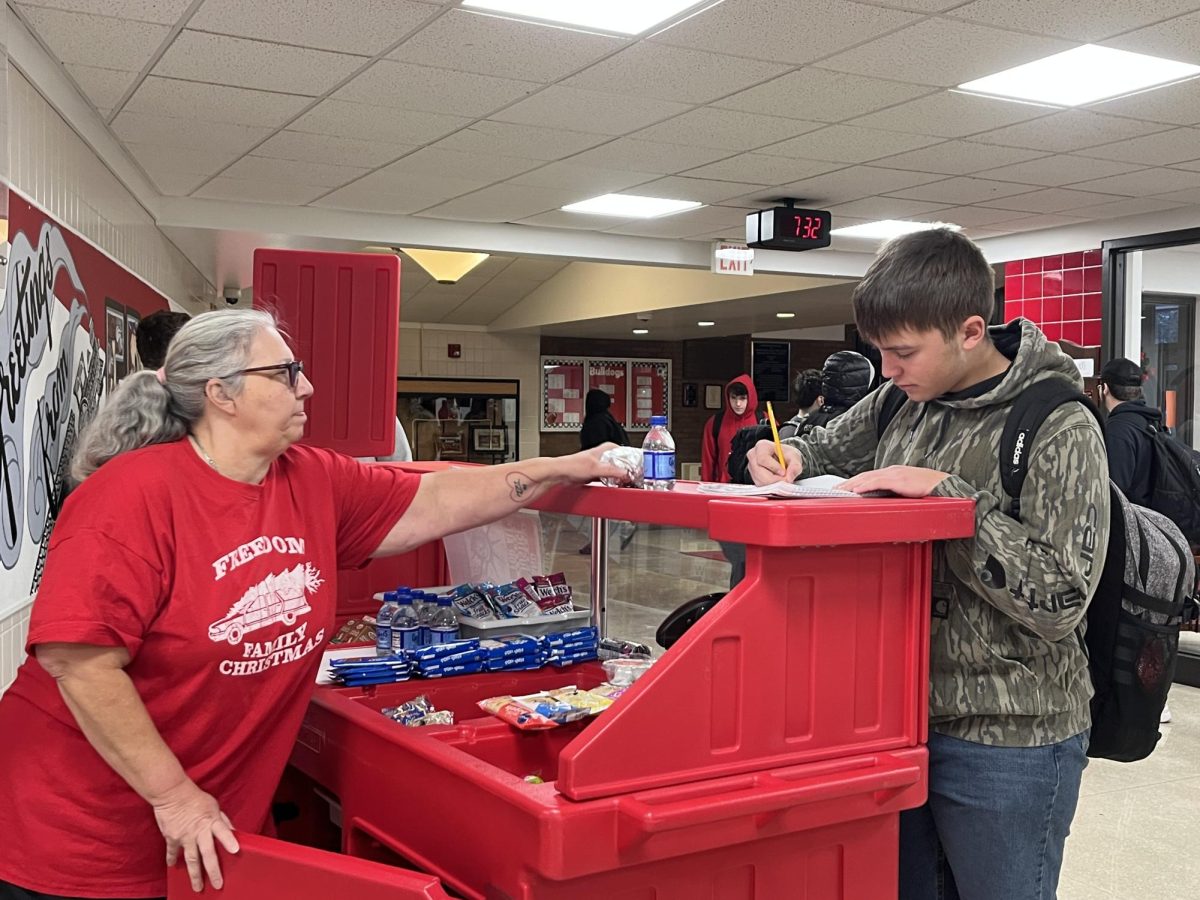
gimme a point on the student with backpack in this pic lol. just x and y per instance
(1010, 690)
(1129, 429)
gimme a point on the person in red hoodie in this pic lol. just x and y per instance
(741, 410)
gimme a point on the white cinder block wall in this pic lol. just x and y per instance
(50, 164)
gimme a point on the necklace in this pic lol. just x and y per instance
(208, 459)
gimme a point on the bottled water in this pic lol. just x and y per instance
(443, 627)
(383, 624)
(658, 456)
(425, 617)
(406, 633)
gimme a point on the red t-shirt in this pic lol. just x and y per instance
(224, 594)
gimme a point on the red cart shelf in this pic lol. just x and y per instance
(767, 754)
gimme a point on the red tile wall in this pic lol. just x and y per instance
(1061, 294)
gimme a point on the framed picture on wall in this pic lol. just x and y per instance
(689, 394)
(562, 393)
(650, 394)
(489, 440)
(712, 396)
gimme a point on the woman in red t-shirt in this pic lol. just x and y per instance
(188, 592)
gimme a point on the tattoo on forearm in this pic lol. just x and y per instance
(521, 485)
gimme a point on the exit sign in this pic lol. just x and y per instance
(732, 259)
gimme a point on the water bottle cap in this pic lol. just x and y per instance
(389, 596)
(443, 601)
(658, 420)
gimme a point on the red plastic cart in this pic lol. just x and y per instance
(766, 755)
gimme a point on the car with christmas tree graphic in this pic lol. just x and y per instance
(277, 598)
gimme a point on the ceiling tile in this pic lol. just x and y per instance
(1050, 200)
(197, 56)
(164, 12)
(521, 141)
(725, 128)
(964, 190)
(941, 52)
(820, 95)
(1177, 38)
(102, 87)
(214, 102)
(793, 33)
(586, 178)
(96, 40)
(872, 208)
(444, 163)
(648, 156)
(170, 131)
(759, 168)
(678, 187)
(1136, 206)
(951, 114)
(1176, 104)
(1147, 182)
(199, 159)
(558, 219)
(1162, 149)
(589, 111)
(329, 148)
(848, 144)
(1191, 166)
(1055, 171)
(535, 269)
(1040, 223)
(176, 184)
(259, 191)
(366, 27)
(376, 123)
(1067, 132)
(393, 194)
(673, 73)
(493, 46)
(685, 224)
(503, 203)
(306, 173)
(1093, 21)
(854, 183)
(971, 216)
(958, 158)
(429, 89)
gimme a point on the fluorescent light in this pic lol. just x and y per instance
(631, 206)
(641, 331)
(889, 228)
(445, 266)
(1082, 75)
(619, 16)
(785, 315)
(706, 324)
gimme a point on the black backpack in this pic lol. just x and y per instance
(1175, 482)
(1132, 627)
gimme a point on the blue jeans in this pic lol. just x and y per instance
(995, 822)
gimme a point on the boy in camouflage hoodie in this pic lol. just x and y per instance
(1009, 683)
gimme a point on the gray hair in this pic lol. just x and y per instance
(142, 411)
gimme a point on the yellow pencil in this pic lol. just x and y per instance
(775, 434)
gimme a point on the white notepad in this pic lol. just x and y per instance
(819, 487)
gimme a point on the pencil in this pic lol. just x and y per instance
(775, 435)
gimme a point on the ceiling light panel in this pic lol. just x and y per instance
(631, 206)
(616, 16)
(1083, 75)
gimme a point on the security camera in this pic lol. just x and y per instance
(232, 296)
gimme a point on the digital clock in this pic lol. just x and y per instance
(788, 228)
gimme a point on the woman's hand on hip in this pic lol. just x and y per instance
(191, 820)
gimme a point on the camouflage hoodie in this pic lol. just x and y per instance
(1007, 664)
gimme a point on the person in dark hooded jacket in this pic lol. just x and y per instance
(599, 425)
(1128, 429)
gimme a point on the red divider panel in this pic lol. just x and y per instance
(342, 312)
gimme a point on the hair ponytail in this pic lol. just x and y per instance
(139, 413)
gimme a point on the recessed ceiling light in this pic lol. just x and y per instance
(706, 324)
(889, 228)
(619, 16)
(631, 206)
(785, 315)
(641, 331)
(1082, 75)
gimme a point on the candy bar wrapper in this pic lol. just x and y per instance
(515, 602)
(509, 645)
(440, 651)
(472, 603)
(588, 700)
(515, 663)
(589, 632)
(355, 631)
(515, 714)
(443, 671)
(438, 717)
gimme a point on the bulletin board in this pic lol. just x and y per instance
(640, 388)
(651, 394)
(612, 377)
(562, 393)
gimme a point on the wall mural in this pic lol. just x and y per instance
(68, 317)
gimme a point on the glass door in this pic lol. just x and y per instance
(1168, 360)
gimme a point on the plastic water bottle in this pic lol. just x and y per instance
(406, 633)
(383, 624)
(443, 627)
(425, 616)
(658, 456)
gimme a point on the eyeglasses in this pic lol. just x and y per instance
(293, 369)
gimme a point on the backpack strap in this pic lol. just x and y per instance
(893, 401)
(716, 426)
(1031, 408)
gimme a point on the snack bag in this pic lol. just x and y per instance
(514, 713)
